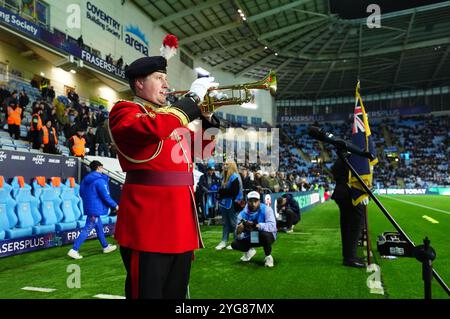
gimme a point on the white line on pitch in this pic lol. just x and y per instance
(104, 296)
(38, 289)
(415, 204)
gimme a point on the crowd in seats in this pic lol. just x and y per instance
(424, 138)
(63, 113)
(41, 207)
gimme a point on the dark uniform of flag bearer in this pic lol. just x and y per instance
(157, 227)
(351, 217)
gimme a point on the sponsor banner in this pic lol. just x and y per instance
(438, 191)
(401, 111)
(68, 237)
(30, 165)
(102, 64)
(16, 246)
(103, 20)
(401, 191)
(58, 39)
(16, 22)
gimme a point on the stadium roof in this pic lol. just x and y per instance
(319, 54)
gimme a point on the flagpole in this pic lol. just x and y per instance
(366, 229)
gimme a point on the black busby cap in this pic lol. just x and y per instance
(145, 66)
(94, 165)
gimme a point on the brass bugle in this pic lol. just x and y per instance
(240, 93)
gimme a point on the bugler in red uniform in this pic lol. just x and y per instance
(156, 218)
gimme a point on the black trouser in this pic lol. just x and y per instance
(14, 131)
(291, 219)
(351, 218)
(266, 240)
(156, 275)
(50, 149)
(103, 150)
(36, 140)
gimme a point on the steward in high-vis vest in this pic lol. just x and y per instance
(14, 119)
(49, 138)
(36, 128)
(77, 144)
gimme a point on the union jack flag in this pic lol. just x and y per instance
(361, 137)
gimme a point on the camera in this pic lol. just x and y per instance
(248, 225)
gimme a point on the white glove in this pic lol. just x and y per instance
(218, 95)
(201, 86)
(365, 201)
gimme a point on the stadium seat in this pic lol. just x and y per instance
(39, 184)
(55, 184)
(70, 205)
(7, 206)
(52, 213)
(5, 185)
(17, 183)
(27, 214)
(70, 183)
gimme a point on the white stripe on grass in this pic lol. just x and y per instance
(105, 296)
(419, 205)
(38, 289)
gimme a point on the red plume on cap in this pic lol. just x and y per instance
(169, 46)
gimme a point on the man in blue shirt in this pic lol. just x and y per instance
(94, 192)
(256, 227)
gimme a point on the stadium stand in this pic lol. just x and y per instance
(41, 208)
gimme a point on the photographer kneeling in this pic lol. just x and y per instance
(256, 227)
(289, 212)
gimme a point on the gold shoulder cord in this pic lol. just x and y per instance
(132, 160)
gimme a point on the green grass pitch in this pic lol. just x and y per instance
(307, 262)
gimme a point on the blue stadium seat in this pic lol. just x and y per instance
(26, 212)
(39, 184)
(70, 205)
(17, 183)
(7, 205)
(70, 183)
(55, 184)
(52, 213)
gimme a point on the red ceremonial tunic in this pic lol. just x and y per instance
(156, 218)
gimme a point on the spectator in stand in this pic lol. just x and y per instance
(73, 96)
(49, 138)
(80, 41)
(51, 94)
(43, 87)
(14, 118)
(102, 139)
(273, 182)
(119, 63)
(36, 127)
(23, 99)
(90, 141)
(77, 143)
(109, 58)
(247, 183)
(207, 182)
